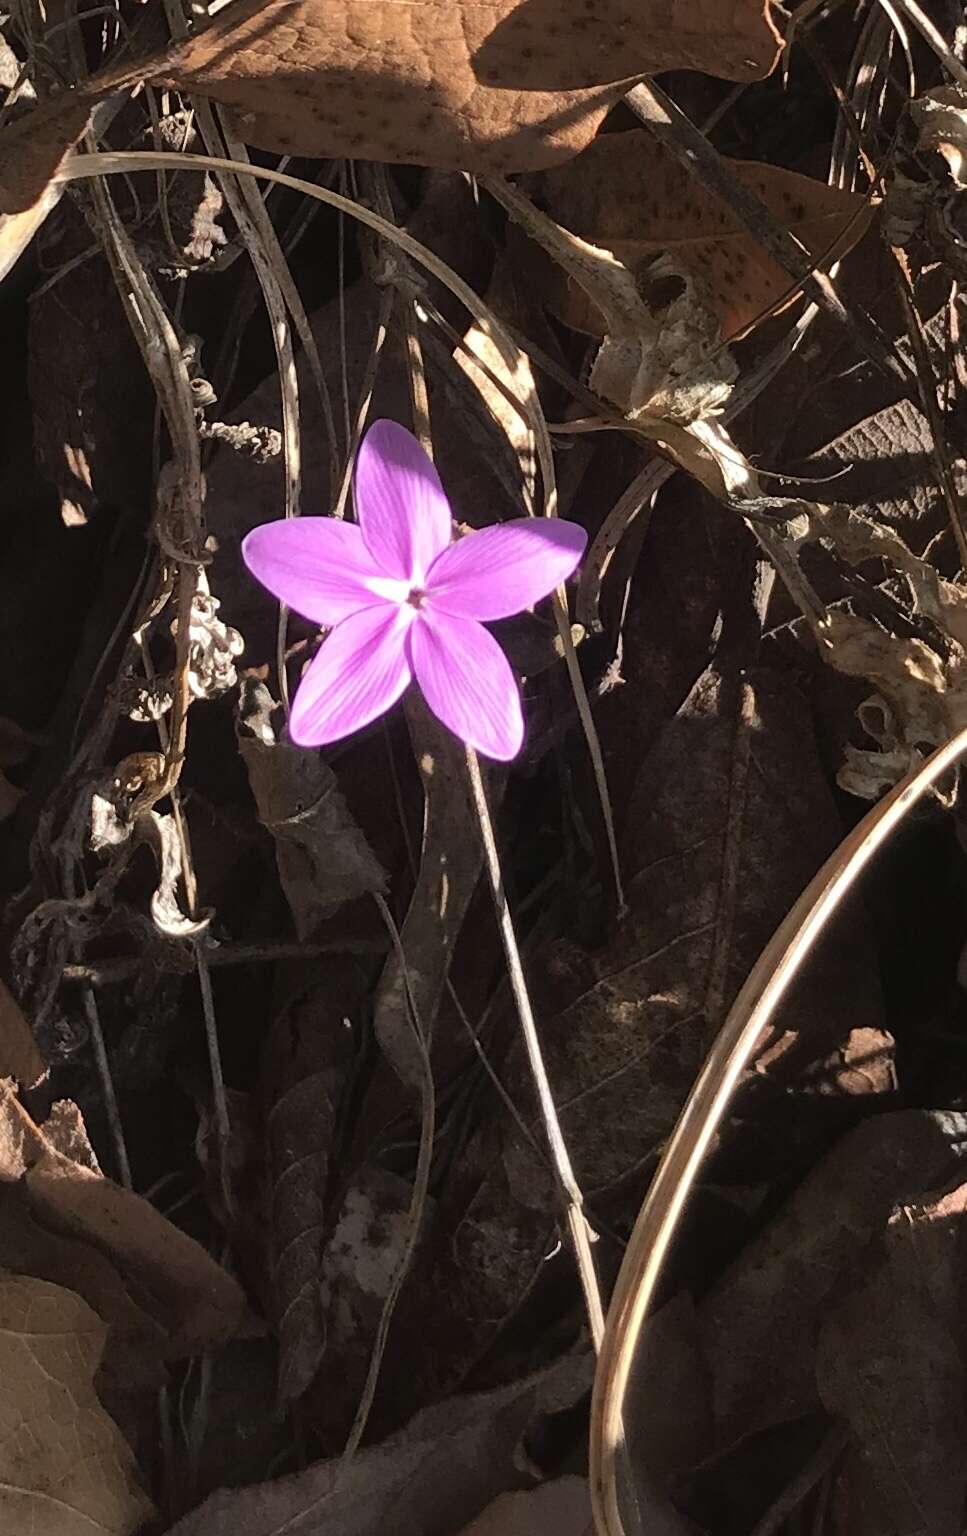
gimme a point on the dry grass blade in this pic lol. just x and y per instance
(568, 1186)
(758, 1000)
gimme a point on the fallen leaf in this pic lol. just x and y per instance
(362, 1257)
(453, 83)
(563, 1506)
(635, 1020)
(65, 1468)
(891, 1362)
(322, 855)
(136, 1345)
(786, 1282)
(188, 1299)
(308, 1059)
(19, 1056)
(850, 1301)
(428, 1480)
(630, 196)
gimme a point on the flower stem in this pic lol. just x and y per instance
(568, 1186)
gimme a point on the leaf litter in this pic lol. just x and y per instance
(219, 1174)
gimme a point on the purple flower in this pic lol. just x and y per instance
(404, 601)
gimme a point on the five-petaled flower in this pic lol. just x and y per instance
(405, 601)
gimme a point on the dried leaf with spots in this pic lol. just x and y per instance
(428, 1480)
(454, 83)
(323, 857)
(65, 1468)
(630, 196)
(188, 1299)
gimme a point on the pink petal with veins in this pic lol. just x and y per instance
(358, 673)
(467, 682)
(400, 504)
(503, 569)
(317, 565)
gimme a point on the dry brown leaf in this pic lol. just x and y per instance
(307, 1062)
(136, 1344)
(428, 1480)
(65, 1468)
(504, 86)
(783, 1283)
(322, 856)
(185, 1295)
(563, 1506)
(629, 195)
(169, 1274)
(19, 1056)
(892, 1363)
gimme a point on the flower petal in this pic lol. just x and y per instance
(500, 570)
(400, 504)
(319, 566)
(358, 674)
(467, 682)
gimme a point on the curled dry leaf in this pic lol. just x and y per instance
(141, 1274)
(921, 683)
(111, 833)
(455, 83)
(322, 856)
(65, 1468)
(630, 196)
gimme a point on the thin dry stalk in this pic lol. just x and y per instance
(107, 1084)
(569, 1189)
(765, 988)
(421, 1185)
(934, 40)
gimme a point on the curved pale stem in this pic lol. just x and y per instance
(768, 982)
